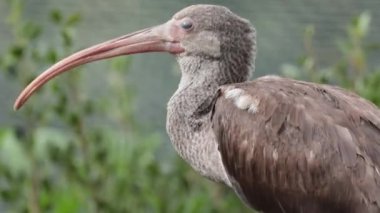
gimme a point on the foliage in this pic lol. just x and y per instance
(75, 153)
(351, 71)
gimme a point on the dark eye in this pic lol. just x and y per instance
(187, 24)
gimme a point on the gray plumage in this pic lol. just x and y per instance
(282, 145)
(214, 56)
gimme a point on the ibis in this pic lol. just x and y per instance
(282, 145)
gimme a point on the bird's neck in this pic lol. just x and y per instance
(188, 118)
(201, 72)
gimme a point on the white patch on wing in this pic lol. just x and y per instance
(243, 102)
(311, 156)
(253, 107)
(275, 155)
(233, 93)
(241, 99)
(377, 171)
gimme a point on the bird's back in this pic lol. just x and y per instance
(292, 146)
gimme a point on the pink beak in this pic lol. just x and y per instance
(155, 39)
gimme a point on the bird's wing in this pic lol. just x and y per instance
(294, 146)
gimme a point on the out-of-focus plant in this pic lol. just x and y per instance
(351, 71)
(75, 153)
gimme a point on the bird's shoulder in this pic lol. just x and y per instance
(289, 136)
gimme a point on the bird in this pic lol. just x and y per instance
(282, 145)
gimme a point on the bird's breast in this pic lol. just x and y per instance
(194, 140)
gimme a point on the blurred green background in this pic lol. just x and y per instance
(95, 141)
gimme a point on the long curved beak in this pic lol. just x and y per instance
(155, 39)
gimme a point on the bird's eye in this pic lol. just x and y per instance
(187, 24)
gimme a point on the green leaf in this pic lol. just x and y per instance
(363, 23)
(67, 37)
(15, 14)
(31, 30)
(73, 20)
(69, 199)
(46, 137)
(51, 55)
(12, 153)
(17, 51)
(56, 16)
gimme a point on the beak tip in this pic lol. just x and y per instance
(17, 105)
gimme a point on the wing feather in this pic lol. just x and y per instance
(307, 147)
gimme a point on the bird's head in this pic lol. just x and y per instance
(207, 32)
(211, 31)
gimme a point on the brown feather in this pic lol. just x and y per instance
(308, 148)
